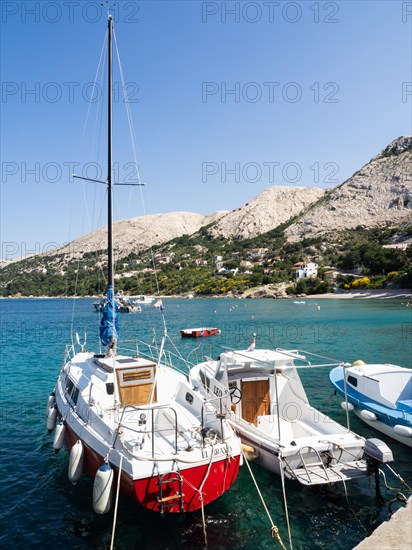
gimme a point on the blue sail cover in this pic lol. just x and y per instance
(109, 324)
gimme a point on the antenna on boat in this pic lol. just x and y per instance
(109, 7)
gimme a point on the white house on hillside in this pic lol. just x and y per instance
(305, 270)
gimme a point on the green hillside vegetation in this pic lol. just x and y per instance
(205, 265)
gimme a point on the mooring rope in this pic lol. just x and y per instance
(116, 503)
(400, 478)
(200, 491)
(282, 477)
(274, 529)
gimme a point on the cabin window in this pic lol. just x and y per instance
(69, 386)
(189, 398)
(205, 381)
(71, 390)
(75, 395)
(352, 380)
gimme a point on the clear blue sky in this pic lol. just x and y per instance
(318, 89)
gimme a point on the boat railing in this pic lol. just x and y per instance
(218, 409)
(306, 357)
(143, 411)
(152, 350)
(146, 419)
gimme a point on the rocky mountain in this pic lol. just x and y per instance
(273, 207)
(276, 205)
(137, 234)
(379, 195)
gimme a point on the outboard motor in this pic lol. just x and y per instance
(377, 452)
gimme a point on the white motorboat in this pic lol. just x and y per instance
(379, 394)
(142, 300)
(279, 429)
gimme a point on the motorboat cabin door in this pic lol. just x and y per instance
(255, 400)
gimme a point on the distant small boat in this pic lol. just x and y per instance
(379, 394)
(122, 304)
(198, 332)
(141, 299)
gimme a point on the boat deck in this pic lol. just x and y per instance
(317, 475)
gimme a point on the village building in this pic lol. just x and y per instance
(305, 270)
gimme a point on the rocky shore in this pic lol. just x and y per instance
(279, 291)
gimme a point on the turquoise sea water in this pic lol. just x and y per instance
(41, 508)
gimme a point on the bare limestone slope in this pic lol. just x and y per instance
(378, 195)
(137, 234)
(276, 205)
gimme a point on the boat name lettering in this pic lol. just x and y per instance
(206, 453)
(217, 391)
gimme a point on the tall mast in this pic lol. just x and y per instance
(110, 277)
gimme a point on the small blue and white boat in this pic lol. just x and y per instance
(380, 394)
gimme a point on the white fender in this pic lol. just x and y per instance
(402, 430)
(51, 418)
(346, 405)
(51, 400)
(76, 461)
(102, 489)
(59, 436)
(368, 415)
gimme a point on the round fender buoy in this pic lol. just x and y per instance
(346, 405)
(102, 489)
(76, 461)
(368, 415)
(51, 400)
(59, 436)
(51, 418)
(402, 430)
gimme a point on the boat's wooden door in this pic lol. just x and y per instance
(255, 400)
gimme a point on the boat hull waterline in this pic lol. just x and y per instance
(145, 491)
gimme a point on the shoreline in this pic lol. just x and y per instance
(255, 294)
(380, 294)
